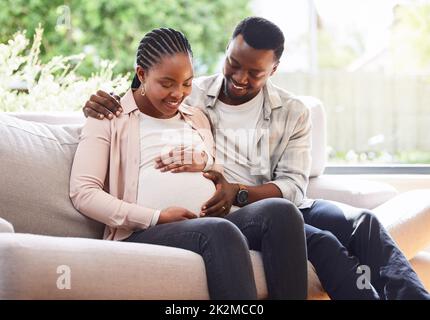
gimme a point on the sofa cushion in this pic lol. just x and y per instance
(318, 118)
(35, 163)
(137, 271)
(358, 193)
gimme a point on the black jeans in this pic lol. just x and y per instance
(340, 238)
(272, 226)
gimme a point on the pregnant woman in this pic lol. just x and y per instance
(115, 180)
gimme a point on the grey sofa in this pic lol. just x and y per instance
(48, 250)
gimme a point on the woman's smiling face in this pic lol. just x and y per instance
(166, 84)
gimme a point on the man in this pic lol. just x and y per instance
(263, 138)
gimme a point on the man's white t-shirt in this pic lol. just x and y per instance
(236, 143)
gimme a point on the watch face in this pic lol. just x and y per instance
(242, 196)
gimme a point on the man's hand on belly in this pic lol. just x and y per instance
(219, 205)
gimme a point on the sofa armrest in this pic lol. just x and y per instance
(407, 218)
(421, 265)
(6, 226)
(355, 192)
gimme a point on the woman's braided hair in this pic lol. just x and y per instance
(157, 44)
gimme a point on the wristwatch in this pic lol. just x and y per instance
(242, 195)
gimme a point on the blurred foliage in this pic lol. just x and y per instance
(410, 41)
(368, 157)
(416, 156)
(337, 54)
(107, 29)
(27, 84)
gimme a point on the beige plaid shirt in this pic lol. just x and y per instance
(284, 140)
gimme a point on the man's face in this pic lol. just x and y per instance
(246, 71)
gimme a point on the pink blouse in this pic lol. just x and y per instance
(105, 171)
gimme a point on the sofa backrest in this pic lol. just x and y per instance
(57, 118)
(35, 164)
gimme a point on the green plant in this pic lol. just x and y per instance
(27, 84)
(106, 29)
(378, 157)
(410, 42)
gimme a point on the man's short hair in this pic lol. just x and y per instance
(260, 33)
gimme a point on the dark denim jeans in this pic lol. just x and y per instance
(272, 226)
(340, 239)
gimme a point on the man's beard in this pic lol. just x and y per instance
(231, 95)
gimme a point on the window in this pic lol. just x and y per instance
(369, 63)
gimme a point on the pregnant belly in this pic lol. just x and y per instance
(160, 190)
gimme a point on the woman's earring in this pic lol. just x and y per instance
(143, 91)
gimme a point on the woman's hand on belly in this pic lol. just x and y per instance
(173, 214)
(182, 159)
